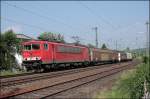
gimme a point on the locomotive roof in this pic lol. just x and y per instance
(103, 50)
(39, 41)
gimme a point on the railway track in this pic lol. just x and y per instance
(29, 77)
(55, 85)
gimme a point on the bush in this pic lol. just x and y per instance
(131, 83)
(134, 85)
(8, 43)
(145, 59)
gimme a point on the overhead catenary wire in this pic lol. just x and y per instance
(33, 26)
(99, 17)
(45, 17)
(114, 27)
(25, 24)
(42, 16)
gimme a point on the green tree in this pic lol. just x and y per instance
(8, 44)
(104, 46)
(49, 36)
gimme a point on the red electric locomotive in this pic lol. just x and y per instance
(44, 54)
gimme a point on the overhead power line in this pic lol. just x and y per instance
(29, 25)
(98, 16)
(42, 16)
(35, 27)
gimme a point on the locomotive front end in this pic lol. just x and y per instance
(31, 53)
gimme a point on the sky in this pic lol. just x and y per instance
(120, 23)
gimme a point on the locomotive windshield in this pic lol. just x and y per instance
(27, 47)
(32, 47)
(35, 46)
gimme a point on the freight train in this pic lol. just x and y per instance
(45, 55)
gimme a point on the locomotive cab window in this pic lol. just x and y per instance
(31, 47)
(35, 46)
(27, 47)
(46, 46)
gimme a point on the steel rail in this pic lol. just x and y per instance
(15, 94)
(27, 78)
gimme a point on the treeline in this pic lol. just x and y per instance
(49, 36)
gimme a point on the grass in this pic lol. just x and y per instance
(10, 72)
(129, 84)
(115, 91)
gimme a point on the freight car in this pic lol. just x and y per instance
(45, 55)
(122, 56)
(103, 56)
(129, 56)
(108, 56)
(94, 55)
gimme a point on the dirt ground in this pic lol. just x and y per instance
(89, 90)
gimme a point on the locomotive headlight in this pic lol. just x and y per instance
(32, 58)
(37, 58)
(25, 59)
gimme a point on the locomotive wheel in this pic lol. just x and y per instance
(28, 69)
(48, 68)
(85, 63)
(72, 65)
(45, 69)
(38, 67)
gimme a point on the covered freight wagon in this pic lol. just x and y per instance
(122, 56)
(108, 55)
(94, 55)
(103, 56)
